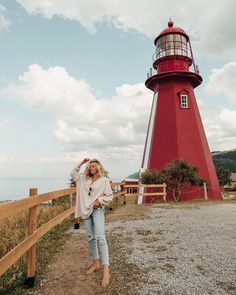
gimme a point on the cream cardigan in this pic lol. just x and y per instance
(88, 192)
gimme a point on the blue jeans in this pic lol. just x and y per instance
(95, 229)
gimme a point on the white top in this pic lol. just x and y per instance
(88, 192)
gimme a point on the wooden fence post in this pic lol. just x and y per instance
(76, 220)
(164, 192)
(205, 191)
(111, 203)
(31, 253)
(125, 192)
(71, 200)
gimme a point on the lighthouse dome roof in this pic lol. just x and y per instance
(171, 30)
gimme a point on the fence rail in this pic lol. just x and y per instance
(34, 234)
(12, 208)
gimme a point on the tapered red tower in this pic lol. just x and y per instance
(175, 129)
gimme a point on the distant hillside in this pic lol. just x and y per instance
(225, 159)
(134, 175)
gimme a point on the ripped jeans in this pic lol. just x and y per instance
(95, 229)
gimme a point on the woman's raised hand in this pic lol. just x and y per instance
(85, 160)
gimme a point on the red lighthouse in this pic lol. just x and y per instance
(175, 129)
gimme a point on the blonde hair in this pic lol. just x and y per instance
(98, 165)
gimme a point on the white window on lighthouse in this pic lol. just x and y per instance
(184, 101)
(171, 44)
(180, 45)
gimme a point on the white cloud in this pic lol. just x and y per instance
(222, 81)
(118, 154)
(204, 20)
(53, 90)
(4, 21)
(4, 122)
(218, 33)
(138, 15)
(6, 159)
(113, 127)
(220, 127)
(219, 122)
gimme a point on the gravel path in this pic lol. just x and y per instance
(185, 249)
(164, 249)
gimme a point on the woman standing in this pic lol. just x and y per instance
(93, 193)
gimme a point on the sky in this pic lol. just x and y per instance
(72, 76)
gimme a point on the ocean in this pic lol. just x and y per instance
(16, 188)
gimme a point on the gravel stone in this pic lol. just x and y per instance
(184, 249)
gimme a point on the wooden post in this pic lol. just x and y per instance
(71, 200)
(164, 192)
(31, 253)
(122, 189)
(111, 203)
(205, 191)
(125, 192)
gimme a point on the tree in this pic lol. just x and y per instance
(223, 175)
(176, 175)
(180, 173)
(152, 176)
